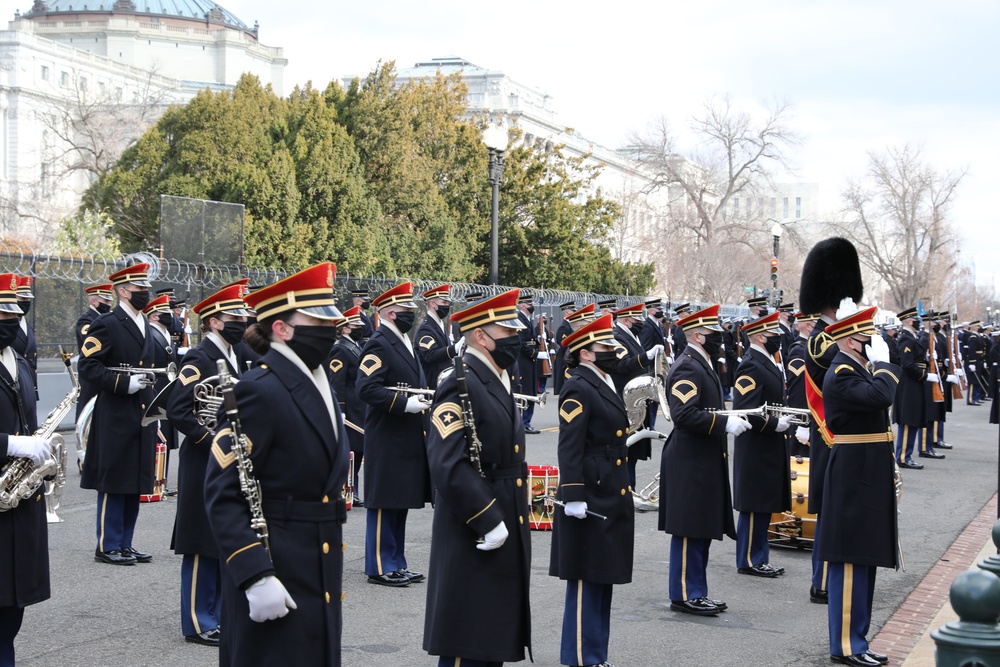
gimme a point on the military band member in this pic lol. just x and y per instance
(435, 347)
(343, 364)
(858, 532)
(633, 361)
(941, 333)
(559, 364)
(758, 309)
(974, 352)
(936, 369)
(99, 302)
(478, 611)
(120, 451)
(223, 324)
(678, 340)
(696, 504)
(592, 553)
(24, 558)
(396, 475)
(360, 299)
(889, 333)
(606, 306)
(158, 315)
(913, 394)
(650, 336)
(761, 476)
(526, 381)
(26, 345)
(284, 603)
(795, 381)
(786, 320)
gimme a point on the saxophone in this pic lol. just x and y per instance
(20, 478)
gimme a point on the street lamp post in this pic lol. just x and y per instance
(495, 138)
(776, 230)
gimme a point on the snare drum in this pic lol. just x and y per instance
(542, 481)
(797, 527)
(159, 475)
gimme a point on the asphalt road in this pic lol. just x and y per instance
(104, 615)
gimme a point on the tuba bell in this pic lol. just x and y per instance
(637, 394)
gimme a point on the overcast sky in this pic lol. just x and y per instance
(860, 75)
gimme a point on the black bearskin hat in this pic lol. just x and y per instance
(831, 273)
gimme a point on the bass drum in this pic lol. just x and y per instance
(83, 431)
(795, 529)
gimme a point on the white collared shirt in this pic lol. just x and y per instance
(138, 318)
(9, 361)
(627, 331)
(392, 327)
(318, 377)
(603, 377)
(504, 377)
(226, 349)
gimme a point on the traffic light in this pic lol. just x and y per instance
(774, 269)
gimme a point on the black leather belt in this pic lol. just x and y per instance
(305, 510)
(495, 471)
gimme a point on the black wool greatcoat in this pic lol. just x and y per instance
(761, 481)
(396, 475)
(24, 534)
(300, 460)
(477, 601)
(83, 323)
(632, 363)
(526, 381)
(343, 365)
(192, 531)
(120, 451)
(593, 468)
(820, 351)
(914, 392)
(164, 353)
(695, 497)
(859, 510)
(433, 349)
(795, 391)
(559, 365)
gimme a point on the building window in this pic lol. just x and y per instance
(45, 73)
(774, 207)
(798, 207)
(784, 209)
(63, 78)
(83, 84)
(101, 88)
(736, 207)
(118, 94)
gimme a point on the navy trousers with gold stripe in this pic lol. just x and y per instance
(385, 541)
(465, 662)
(906, 439)
(688, 565)
(751, 539)
(586, 626)
(819, 567)
(201, 594)
(116, 517)
(852, 590)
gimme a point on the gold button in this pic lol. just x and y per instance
(143, 406)
(626, 459)
(723, 455)
(342, 596)
(629, 487)
(328, 598)
(140, 363)
(618, 462)
(326, 547)
(619, 433)
(517, 448)
(326, 499)
(425, 434)
(520, 481)
(623, 492)
(520, 520)
(343, 546)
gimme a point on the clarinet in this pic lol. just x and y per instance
(244, 466)
(468, 419)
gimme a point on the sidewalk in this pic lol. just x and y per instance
(906, 636)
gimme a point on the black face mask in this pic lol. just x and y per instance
(311, 343)
(25, 306)
(937, 328)
(637, 328)
(8, 332)
(166, 319)
(772, 344)
(607, 361)
(139, 300)
(713, 342)
(356, 334)
(365, 305)
(863, 349)
(505, 350)
(658, 315)
(404, 320)
(442, 311)
(233, 332)
(530, 309)
(103, 308)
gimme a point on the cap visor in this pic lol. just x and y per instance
(322, 312)
(25, 295)
(140, 283)
(237, 312)
(10, 308)
(510, 324)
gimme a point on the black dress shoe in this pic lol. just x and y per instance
(413, 577)
(758, 571)
(698, 607)
(777, 570)
(210, 638)
(114, 557)
(877, 657)
(531, 430)
(943, 445)
(140, 556)
(718, 603)
(858, 660)
(818, 596)
(357, 502)
(931, 454)
(394, 579)
(909, 464)
(169, 492)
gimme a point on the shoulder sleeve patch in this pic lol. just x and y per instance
(370, 364)
(906, 349)
(796, 366)
(744, 384)
(225, 459)
(447, 418)
(679, 391)
(90, 346)
(570, 409)
(622, 351)
(84, 329)
(189, 373)
(843, 367)
(427, 342)
(336, 365)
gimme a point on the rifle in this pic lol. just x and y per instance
(954, 364)
(543, 341)
(937, 390)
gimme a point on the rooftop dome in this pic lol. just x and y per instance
(197, 10)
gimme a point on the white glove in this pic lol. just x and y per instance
(722, 360)
(802, 435)
(414, 405)
(877, 350)
(577, 510)
(643, 434)
(494, 539)
(952, 379)
(739, 360)
(269, 600)
(460, 346)
(670, 339)
(652, 353)
(736, 425)
(959, 372)
(933, 377)
(29, 447)
(972, 367)
(135, 383)
(783, 424)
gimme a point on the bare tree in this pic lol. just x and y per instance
(897, 218)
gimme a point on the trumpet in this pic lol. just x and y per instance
(425, 395)
(797, 416)
(170, 371)
(522, 400)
